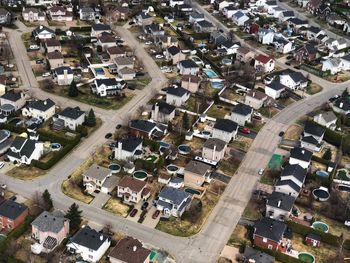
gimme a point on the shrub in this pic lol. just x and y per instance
(320, 160)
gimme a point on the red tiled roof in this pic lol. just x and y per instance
(263, 59)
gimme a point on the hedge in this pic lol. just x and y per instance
(80, 28)
(53, 136)
(320, 160)
(332, 137)
(281, 257)
(12, 128)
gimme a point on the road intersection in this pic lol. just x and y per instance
(206, 245)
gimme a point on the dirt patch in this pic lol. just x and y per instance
(238, 236)
(116, 206)
(293, 132)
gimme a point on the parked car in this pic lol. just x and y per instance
(39, 61)
(133, 212)
(3, 186)
(244, 130)
(148, 43)
(261, 171)
(33, 48)
(159, 56)
(118, 126)
(131, 23)
(108, 135)
(46, 74)
(144, 206)
(281, 134)
(155, 214)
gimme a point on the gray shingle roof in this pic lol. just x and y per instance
(42, 105)
(214, 142)
(12, 96)
(142, 125)
(275, 85)
(177, 91)
(130, 144)
(301, 154)
(280, 201)
(72, 113)
(89, 238)
(47, 222)
(271, 229)
(197, 167)
(242, 109)
(97, 172)
(164, 107)
(258, 256)
(295, 170)
(188, 63)
(226, 125)
(11, 209)
(177, 196)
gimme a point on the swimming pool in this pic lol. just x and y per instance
(217, 84)
(99, 71)
(210, 73)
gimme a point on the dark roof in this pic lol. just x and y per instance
(310, 48)
(309, 139)
(130, 144)
(107, 82)
(41, 105)
(270, 228)
(18, 142)
(295, 170)
(135, 185)
(290, 183)
(130, 250)
(164, 107)
(177, 196)
(173, 50)
(54, 55)
(196, 14)
(214, 142)
(297, 21)
(313, 236)
(197, 167)
(188, 63)
(28, 148)
(314, 29)
(242, 109)
(276, 85)
(101, 27)
(288, 13)
(314, 129)
(301, 154)
(142, 125)
(225, 125)
(72, 113)
(12, 96)
(41, 28)
(204, 23)
(11, 209)
(280, 201)
(89, 238)
(342, 103)
(297, 77)
(177, 91)
(60, 70)
(49, 222)
(52, 42)
(258, 256)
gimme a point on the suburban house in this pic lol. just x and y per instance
(306, 53)
(147, 129)
(191, 83)
(31, 14)
(196, 173)
(52, 45)
(255, 99)
(287, 187)
(316, 34)
(283, 45)
(25, 150)
(239, 18)
(265, 36)
(144, 19)
(41, 109)
(203, 26)
(214, 149)
(312, 137)
(153, 30)
(218, 37)
(253, 255)
(300, 156)
(294, 80)
(341, 105)
(244, 54)
(241, 114)
(60, 13)
(106, 40)
(129, 250)
(274, 89)
(279, 205)
(115, 52)
(107, 87)
(87, 14)
(225, 129)
(327, 119)
(100, 179)
(177, 96)
(333, 65)
(229, 47)
(49, 230)
(163, 112)
(43, 32)
(173, 201)
(296, 23)
(264, 63)
(132, 190)
(195, 16)
(127, 148)
(127, 73)
(124, 62)
(89, 244)
(55, 59)
(294, 173)
(63, 76)
(187, 67)
(313, 240)
(174, 54)
(16, 99)
(271, 234)
(166, 41)
(71, 117)
(12, 214)
(121, 13)
(285, 15)
(335, 44)
(100, 28)
(38, 2)
(5, 17)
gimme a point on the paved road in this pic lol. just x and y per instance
(207, 245)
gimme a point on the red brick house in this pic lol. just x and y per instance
(272, 234)
(12, 214)
(313, 240)
(306, 53)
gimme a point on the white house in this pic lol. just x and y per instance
(294, 80)
(163, 112)
(287, 187)
(173, 3)
(16, 99)
(214, 149)
(41, 109)
(89, 244)
(127, 148)
(241, 114)
(107, 87)
(274, 89)
(285, 15)
(327, 119)
(264, 63)
(71, 117)
(279, 206)
(341, 105)
(301, 157)
(239, 18)
(187, 67)
(195, 17)
(223, 4)
(334, 65)
(177, 96)
(24, 150)
(228, 11)
(225, 129)
(63, 76)
(294, 173)
(336, 44)
(43, 32)
(173, 201)
(283, 45)
(32, 15)
(230, 47)
(265, 36)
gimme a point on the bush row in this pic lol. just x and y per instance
(281, 257)
(320, 160)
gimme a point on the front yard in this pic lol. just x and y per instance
(116, 206)
(25, 172)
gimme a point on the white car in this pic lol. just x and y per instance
(46, 74)
(148, 43)
(3, 186)
(2, 164)
(34, 47)
(261, 171)
(159, 56)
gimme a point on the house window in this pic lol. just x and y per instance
(269, 247)
(91, 256)
(90, 250)
(264, 240)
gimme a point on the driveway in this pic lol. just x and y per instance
(100, 199)
(149, 221)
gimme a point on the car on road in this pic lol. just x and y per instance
(133, 212)
(108, 135)
(2, 164)
(144, 206)
(46, 74)
(159, 56)
(3, 186)
(244, 130)
(261, 171)
(39, 61)
(288, 63)
(118, 126)
(281, 134)
(155, 214)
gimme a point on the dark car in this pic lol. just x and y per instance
(112, 145)
(144, 206)
(108, 135)
(118, 126)
(131, 88)
(133, 212)
(39, 61)
(131, 23)
(288, 63)
(281, 134)
(155, 214)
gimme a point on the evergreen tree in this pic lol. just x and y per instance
(170, 126)
(74, 216)
(327, 155)
(91, 119)
(186, 121)
(46, 196)
(73, 90)
(345, 93)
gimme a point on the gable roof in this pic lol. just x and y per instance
(342, 103)
(276, 85)
(242, 109)
(41, 28)
(297, 77)
(12, 96)
(97, 172)
(296, 171)
(301, 154)
(177, 196)
(177, 91)
(164, 107)
(61, 70)
(11, 209)
(54, 55)
(258, 256)
(173, 50)
(216, 143)
(226, 125)
(271, 229)
(290, 183)
(257, 94)
(280, 201)
(328, 116)
(197, 167)
(130, 250)
(263, 59)
(204, 23)
(101, 27)
(72, 113)
(142, 125)
(191, 78)
(123, 61)
(107, 82)
(132, 183)
(49, 222)
(188, 63)
(42, 105)
(51, 42)
(130, 144)
(89, 238)
(314, 129)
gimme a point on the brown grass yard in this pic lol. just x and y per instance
(25, 172)
(293, 132)
(238, 236)
(116, 206)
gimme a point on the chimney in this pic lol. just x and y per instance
(41, 27)
(303, 151)
(341, 105)
(279, 203)
(45, 102)
(156, 111)
(101, 237)
(118, 151)
(134, 248)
